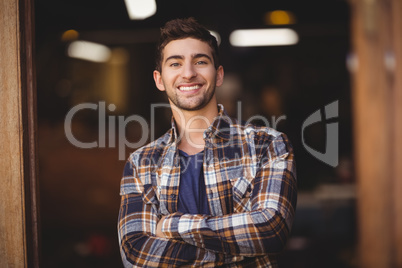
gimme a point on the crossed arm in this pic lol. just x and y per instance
(139, 244)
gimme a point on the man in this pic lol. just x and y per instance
(210, 192)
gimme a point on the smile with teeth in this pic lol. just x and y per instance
(189, 88)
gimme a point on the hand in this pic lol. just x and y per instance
(159, 232)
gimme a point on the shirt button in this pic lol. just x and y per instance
(280, 165)
(172, 196)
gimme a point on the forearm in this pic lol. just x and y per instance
(141, 247)
(243, 234)
(147, 251)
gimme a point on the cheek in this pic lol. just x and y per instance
(169, 77)
(210, 76)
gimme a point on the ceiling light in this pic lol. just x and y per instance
(69, 35)
(263, 37)
(89, 51)
(280, 17)
(140, 9)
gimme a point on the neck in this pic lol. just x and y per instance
(192, 124)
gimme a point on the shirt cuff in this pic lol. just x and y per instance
(170, 225)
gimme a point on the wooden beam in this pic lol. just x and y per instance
(376, 94)
(18, 191)
(372, 150)
(29, 120)
(397, 122)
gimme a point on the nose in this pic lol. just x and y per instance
(189, 71)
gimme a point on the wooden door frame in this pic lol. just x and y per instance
(19, 226)
(28, 79)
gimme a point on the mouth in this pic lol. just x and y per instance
(189, 87)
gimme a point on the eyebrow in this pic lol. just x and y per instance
(201, 55)
(194, 56)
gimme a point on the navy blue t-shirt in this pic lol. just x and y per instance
(192, 191)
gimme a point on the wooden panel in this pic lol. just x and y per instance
(372, 99)
(18, 213)
(29, 125)
(12, 219)
(397, 122)
(377, 99)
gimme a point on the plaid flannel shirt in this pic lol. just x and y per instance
(251, 189)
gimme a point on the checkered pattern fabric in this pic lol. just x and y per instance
(251, 189)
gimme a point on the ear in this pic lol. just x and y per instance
(219, 76)
(158, 81)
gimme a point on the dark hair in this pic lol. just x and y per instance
(184, 28)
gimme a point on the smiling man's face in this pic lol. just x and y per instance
(188, 74)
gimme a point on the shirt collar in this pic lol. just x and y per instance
(219, 128)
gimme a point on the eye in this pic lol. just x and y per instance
(174, 64)
(201, 62)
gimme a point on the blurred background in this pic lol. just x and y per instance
(282, 82)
